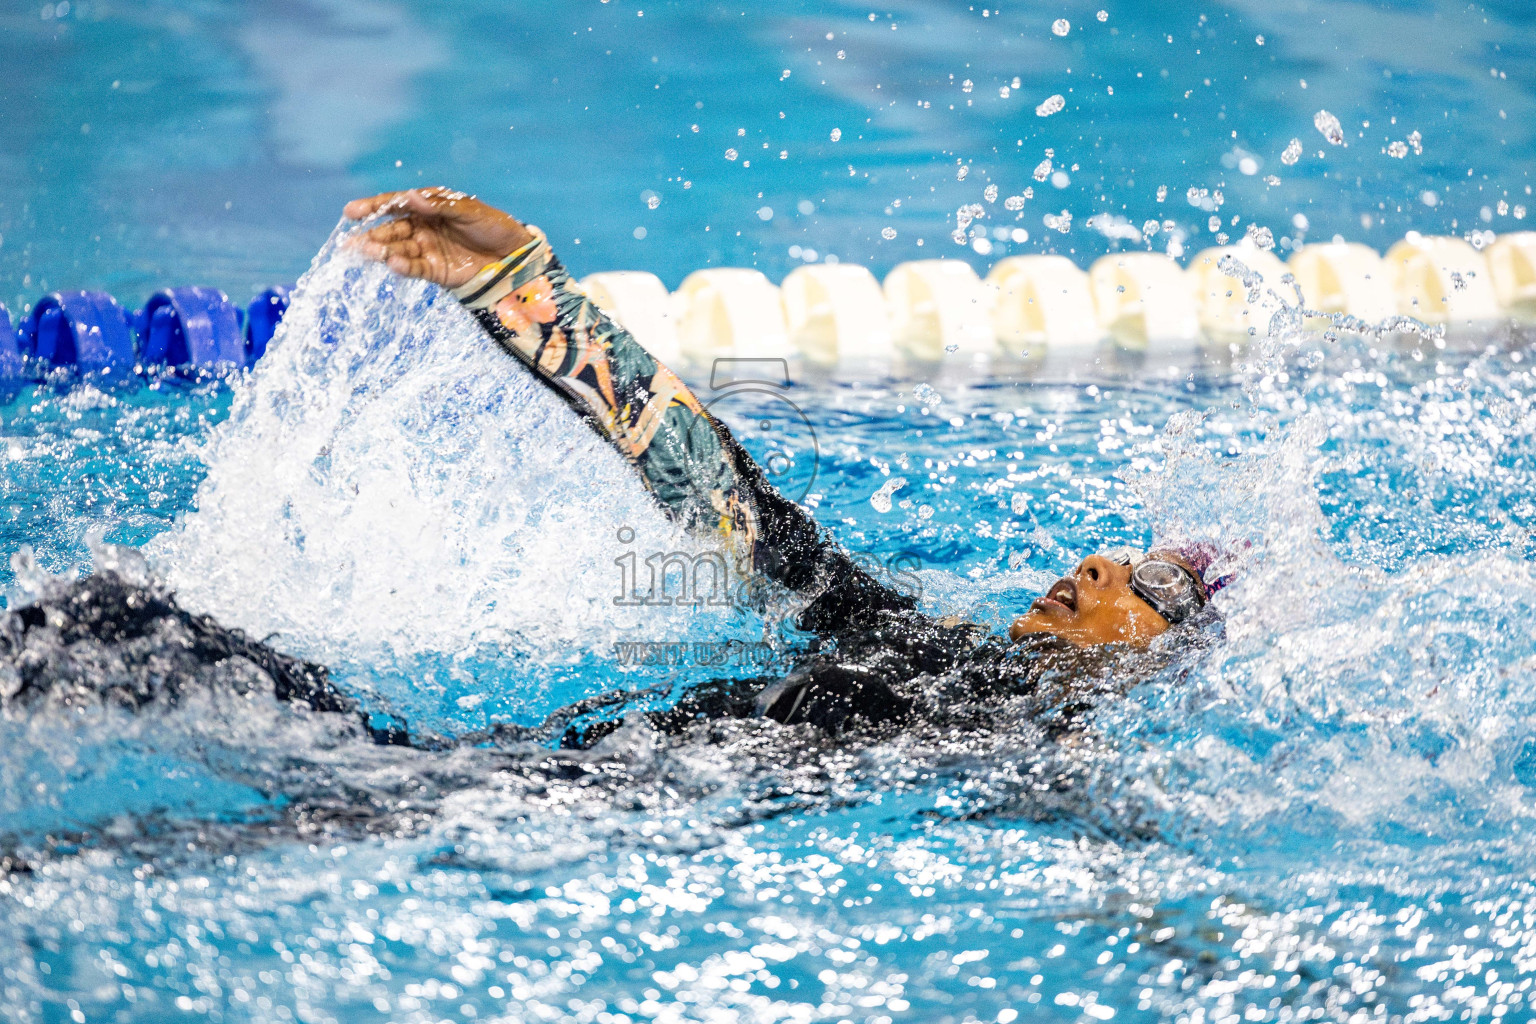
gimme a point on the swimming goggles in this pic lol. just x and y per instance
(1171, 590)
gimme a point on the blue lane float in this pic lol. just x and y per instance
(262, 317)
(12, 364)
(190, 329)
(86, 330)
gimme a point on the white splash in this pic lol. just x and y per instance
(391, 484)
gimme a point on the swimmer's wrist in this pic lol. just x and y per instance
(498, 277)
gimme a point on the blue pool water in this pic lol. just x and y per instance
(1324, 816)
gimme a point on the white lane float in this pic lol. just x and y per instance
(1441, 280)
(641, 303)
(1144, 300)
(1512, 271)
(1344, 277)
(730, 312)
(926, 311)
(1042, 304)
(1225, 312)
(836, 313)
(939, 308)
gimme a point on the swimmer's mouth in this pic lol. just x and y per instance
(1062, 595)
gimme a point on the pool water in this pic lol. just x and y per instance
(1322, 815)
(1318, 817)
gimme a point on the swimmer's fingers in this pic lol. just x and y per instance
(362, 209)
(397, 247)
(437, 201)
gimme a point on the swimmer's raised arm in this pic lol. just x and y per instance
(506, 275)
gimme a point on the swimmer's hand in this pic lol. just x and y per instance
(437, 234)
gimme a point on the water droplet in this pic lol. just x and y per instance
(926, 394)
(653, 202)
(1103, 15)
(1329, 126)
(1061, 26)
(966, 85)
(961, 172)
(841, 54)
(1271, 180)
(1417, 142)
(837, 133)
(925, 511)
(1162, 192)
(1061, 222)
(881, 499)
(1292, 153)
(989, 193)
(1019, 503)
(957, 236)
(1261, 237)
(1051, 105)
(1043, 169)
(888, 233)
(1214, 223)
(1259, 40)
(730, 154)
(1013, 203)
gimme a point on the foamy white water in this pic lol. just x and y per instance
(390, 484)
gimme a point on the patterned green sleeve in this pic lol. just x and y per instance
(690, 462)
(529, 305)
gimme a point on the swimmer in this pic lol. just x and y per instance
(506, 275)
(876, 663)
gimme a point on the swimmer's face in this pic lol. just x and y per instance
(1093, 605)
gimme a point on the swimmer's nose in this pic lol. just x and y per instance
(1096, 571)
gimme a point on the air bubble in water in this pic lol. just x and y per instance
(888, 233)
(1397, 149)
(1292, 153)
(1061, 26)
(1330, 127)
(1051, 105)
